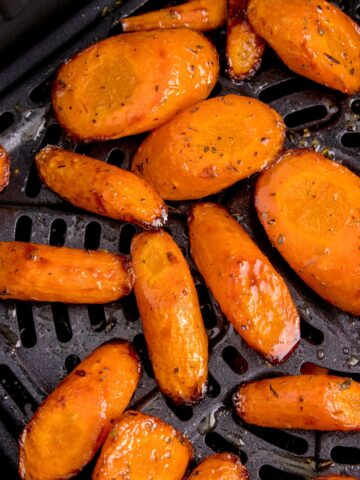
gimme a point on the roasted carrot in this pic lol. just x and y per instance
(308, 402)
(244, 48)
(209, 147)
(250, 292)
(133, 82)
(313, 38)
(310, 209)
(335, 477)
(142, 447)
(4, 168)
(100, 188)
(171, 317)
(220, 466)
(29, 271)
(72, 423)
(202, 15)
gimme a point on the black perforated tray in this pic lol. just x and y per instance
(39, 343)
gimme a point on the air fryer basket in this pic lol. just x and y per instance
(40, 342)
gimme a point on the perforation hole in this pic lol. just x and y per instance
(33, 184)
(267, 472)
(58, 232)
(216, 91)
(234, 360)
(116, 157)
(309, 368)
(183, 412)
(311, 334)
(130, 308)
(23, 229)
(83, 149)
(127, 233)
(214, 388)
(141, 348)
(97, 317)
(287, 87)
(6, 120)
(351, 139)
(203, 294)
(71, 361)
(346, 455)
(42, 92)
(15, 389)
(25, 319)
(219, 444)
(62, 324)
(281, 439)
(209, 316)
(92, 236)
(355, 105)
(52, 135)
(305, 116)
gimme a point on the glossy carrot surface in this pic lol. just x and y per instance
(251, 294)
(72, 423)
(34, 272)
(134, 82)
(221, 466)
(4, 168)
(171, 317)
(100, 188)
(310, 209)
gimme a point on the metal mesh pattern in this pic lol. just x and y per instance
(39, 343)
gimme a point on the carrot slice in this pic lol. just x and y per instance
(336, 477)
(200, 15)
(29, 271)
(244, 48)
(134, 82)
(309, 402)
(250, 292)
(171, 317)
(221, 466)
(313, 38)
(209, 147)
(100, 188)
(142, 447)
(72, 423)
(4, 168)
(310, 209)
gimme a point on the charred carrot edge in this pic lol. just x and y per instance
(240, 39)
(202, 15)
(4, 168)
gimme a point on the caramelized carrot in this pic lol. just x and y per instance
(142, 447)
(310, 209)
(200, 15)
(4, 168)
(244, 48)
(100, 188)
(171, 317)
(133, 82)
(335, 477)
(220, 466)
(29, 271)
(72, 423)
(209, 147)
(308, 402)
(250, 292)
(313, 38)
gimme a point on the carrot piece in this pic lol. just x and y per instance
(72, 423)
(314, 39)
(335, 477)
(202, 15)
(145, 446)
(100, 188)
(134, 82)
(4, 168)
(171, 317)
(310, 209)
(308, 402)
(29, 271)
(251, 294)
(209, 147)
(244, 48)
(220, 466)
